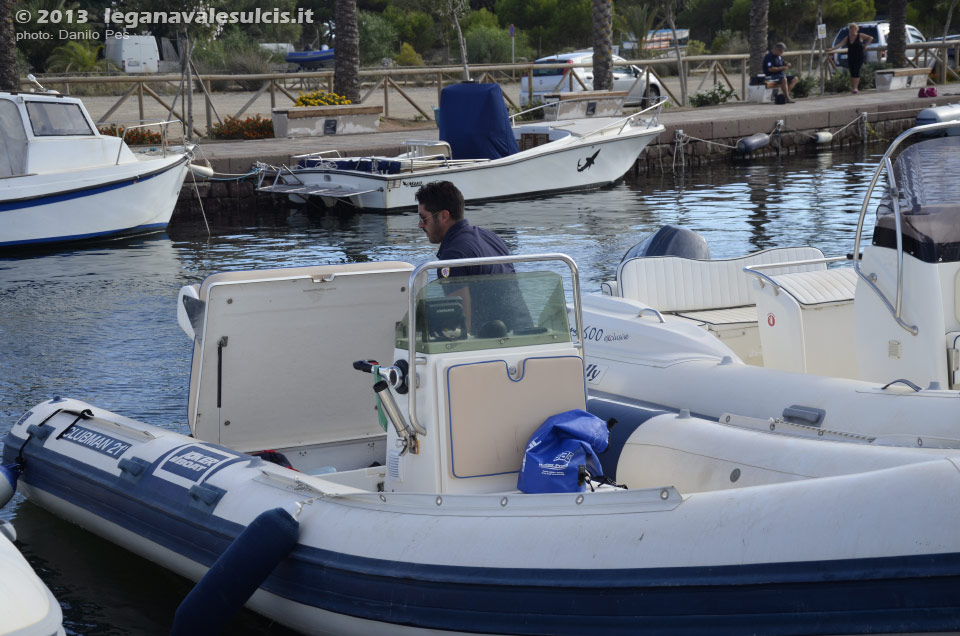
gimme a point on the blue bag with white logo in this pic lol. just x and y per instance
(561, 450)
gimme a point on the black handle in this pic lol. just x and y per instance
(365, 365)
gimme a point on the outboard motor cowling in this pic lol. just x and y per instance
(671, 240)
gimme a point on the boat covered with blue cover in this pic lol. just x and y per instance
(474, 121)
(291, 495)
(486, 154)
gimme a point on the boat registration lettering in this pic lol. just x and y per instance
(96, 441)
(192, 462)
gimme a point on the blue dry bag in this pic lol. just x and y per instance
(558, 449)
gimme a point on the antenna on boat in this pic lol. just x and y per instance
(33, 79)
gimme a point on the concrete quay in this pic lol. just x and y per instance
(709, 135)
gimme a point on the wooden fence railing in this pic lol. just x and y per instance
(719, 67)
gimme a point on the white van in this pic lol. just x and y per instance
(132, 53)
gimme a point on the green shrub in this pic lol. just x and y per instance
(408, 56)
(805, 86)
(136, 137)
(839, 82)
(415, 27)
(378, 38)
(696, 47)
(249, 128)
(719, 94)
(491, 45)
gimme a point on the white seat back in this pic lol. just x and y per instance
(670, 283)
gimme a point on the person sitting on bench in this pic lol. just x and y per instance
(774, 67)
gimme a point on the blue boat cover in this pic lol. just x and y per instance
(475, 123)
(374, 166)
(557, 450)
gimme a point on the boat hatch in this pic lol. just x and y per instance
(13, 141)
(272, 366)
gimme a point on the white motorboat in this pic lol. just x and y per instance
(61, 180)
(479, 151)
(869, 348)
(727, 528)
(27, 607)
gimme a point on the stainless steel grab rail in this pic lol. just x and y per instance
(752, 269)
(467, 262)
(895, 308)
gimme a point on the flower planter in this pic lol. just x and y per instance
(317, 121)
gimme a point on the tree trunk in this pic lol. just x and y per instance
(452, 7)
(8, 49)
(602, 45)
(680, 65)
(346, 59)
(946, 27)
(759, 10)
(897, 40)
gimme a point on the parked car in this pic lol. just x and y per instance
(952, 51)
(552, 80)
(880, 32)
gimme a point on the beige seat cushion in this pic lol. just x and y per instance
(492, 416)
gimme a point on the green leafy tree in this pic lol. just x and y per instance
(378, 38)
(416, 27)
(8, 48)
(532, 16)
(491, 45)
(76, 57)
(478, 18)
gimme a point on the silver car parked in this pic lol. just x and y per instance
(553, 80)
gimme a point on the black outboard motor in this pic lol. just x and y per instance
(671, 240)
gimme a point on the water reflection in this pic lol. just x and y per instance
(99, 323)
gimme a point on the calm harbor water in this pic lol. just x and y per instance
(99, 323)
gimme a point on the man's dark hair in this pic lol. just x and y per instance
(441, 195)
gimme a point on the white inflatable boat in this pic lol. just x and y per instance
(869, 347)
(726, 527)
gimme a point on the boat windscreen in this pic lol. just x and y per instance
(55, 118)
(13, 141)
(470, 313)
(929, 200)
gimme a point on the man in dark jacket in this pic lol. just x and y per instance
(441, 211)
(775, 69)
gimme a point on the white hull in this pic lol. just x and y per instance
(130, 198)
(596, 159)
(727, 527)
(378, 571)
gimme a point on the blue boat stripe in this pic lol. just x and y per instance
(66, 195)
(907, 593)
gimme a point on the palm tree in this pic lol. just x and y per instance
(897, 40)
(759, 9)
(8, 48)
(346, 60)
(79, 57)
(602, 45)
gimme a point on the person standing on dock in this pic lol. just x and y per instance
(441, 210)
(774, 68)
(856, 44)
